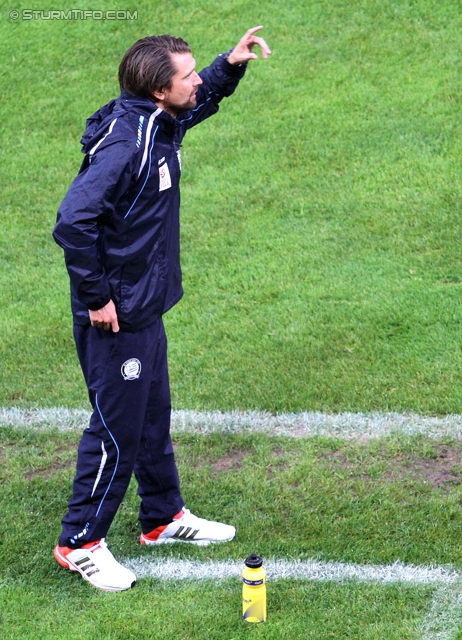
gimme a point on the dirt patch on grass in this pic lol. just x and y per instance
(233, 461)
(59, 463)
(441, 470)
(229, 462)
(56, 465)
(278, 464)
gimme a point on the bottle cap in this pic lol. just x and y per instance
(253, 561)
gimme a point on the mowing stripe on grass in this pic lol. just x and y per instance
(297, 425)
(441, 622)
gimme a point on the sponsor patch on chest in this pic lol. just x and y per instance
(165, 181)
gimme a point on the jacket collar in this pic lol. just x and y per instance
(147, 107)
(101, 121)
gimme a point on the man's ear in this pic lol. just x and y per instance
(159, 94)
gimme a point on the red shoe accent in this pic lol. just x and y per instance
(60, 553)
(155, 533)
(89, 545)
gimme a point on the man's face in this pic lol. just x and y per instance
(182, 94)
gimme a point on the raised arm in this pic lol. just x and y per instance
(221, 78)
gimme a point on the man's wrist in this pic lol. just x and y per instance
(231, 60)
(233, 70)
(98, 304)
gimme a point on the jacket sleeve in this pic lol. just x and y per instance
(92, 199)
(219, 81)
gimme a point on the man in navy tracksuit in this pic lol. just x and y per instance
(119, 228)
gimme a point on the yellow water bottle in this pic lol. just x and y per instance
(254, 590)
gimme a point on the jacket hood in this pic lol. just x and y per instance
(98, 124)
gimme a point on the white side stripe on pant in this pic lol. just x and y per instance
(101, 468)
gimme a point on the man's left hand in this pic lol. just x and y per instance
(243, 50)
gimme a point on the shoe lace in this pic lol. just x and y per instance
(190, 518)
(101, 554)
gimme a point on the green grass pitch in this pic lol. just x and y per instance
(321, 253)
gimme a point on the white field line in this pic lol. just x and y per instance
(297, 425)
(180, 569)
(443, 619)
(441, 622)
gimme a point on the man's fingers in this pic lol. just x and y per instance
(105, 318)
(253, 30)
(262, 44)
(107, 326)
(242, 53)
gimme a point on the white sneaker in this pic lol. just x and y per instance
(187, 527)
(96, 565)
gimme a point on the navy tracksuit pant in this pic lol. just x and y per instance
(128, 384)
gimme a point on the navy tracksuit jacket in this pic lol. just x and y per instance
(119, 228)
